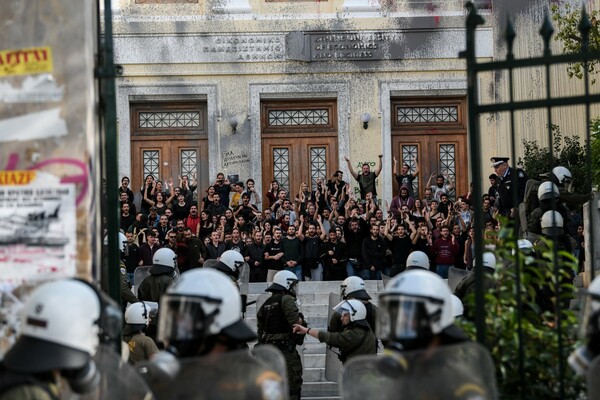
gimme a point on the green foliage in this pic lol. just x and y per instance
(567, 19)
(540, 344)
(595, 148)
(567, 151)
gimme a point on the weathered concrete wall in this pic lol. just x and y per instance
(161, 50)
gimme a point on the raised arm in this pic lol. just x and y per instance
(352, 172)
(395, 166)
(380, 166)
(428, 184)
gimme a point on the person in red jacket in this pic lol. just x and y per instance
(445, 250)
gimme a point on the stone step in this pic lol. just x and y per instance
(316, 310)
(314, 360)
(314, 322)
(317, 287)
(320, 389)
(321, 398)
(314, 375)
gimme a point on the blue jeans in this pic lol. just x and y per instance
(442, 270)
(130, 276)
(376, 275)
(296, 270)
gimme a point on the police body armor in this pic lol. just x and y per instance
(461, 371)
(235, 375)
(275, 321)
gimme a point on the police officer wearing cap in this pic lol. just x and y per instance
(508, 177)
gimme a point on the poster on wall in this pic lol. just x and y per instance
(38, 224)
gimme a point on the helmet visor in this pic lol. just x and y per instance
(568, 184)
(345, 308)
(403, 317)
(185, 318)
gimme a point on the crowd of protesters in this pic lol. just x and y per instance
(326, 232)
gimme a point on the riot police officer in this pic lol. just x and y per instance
(426, 355)
(162, 274)
(275, 320)
(141, 347)
(58, 339)
(356, 337)
(206, 341)
(229, 263)
(354, 287)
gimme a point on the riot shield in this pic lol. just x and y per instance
(139, 275)
(260, 300)
(593, 381)
(119, 379)
(244, 278)
(274, 360)
(332, 362)
(212, 263)
(385, 279)
(455, 275)
(465, 368)
(233, 375)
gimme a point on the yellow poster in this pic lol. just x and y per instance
(32, 60)
(13, 178)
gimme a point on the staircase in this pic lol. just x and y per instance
(314, 304)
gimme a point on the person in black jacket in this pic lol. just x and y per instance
(254, 257)
(333, 255)
(373, 253)
(355, 231)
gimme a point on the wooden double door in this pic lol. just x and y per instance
(431, 132)
(299, 142)
(169, 159)
(292, 161)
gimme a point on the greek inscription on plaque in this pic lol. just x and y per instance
(354, 46)
(346, 46)
(246, 48)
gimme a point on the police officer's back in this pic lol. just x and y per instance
(275, 320)
(141, 347)
(161, 275)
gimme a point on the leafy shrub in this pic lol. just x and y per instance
(567, 151)
(539, 329)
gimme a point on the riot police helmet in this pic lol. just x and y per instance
(136, 318)
(60, 330)
(552, 223)
(547, 190)
(164, 261)
(284, 281)
(355, 309)
(354, 287)
(202, 305)
(229, 263)
(416, 306)
(417, 259)
(563, 177)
